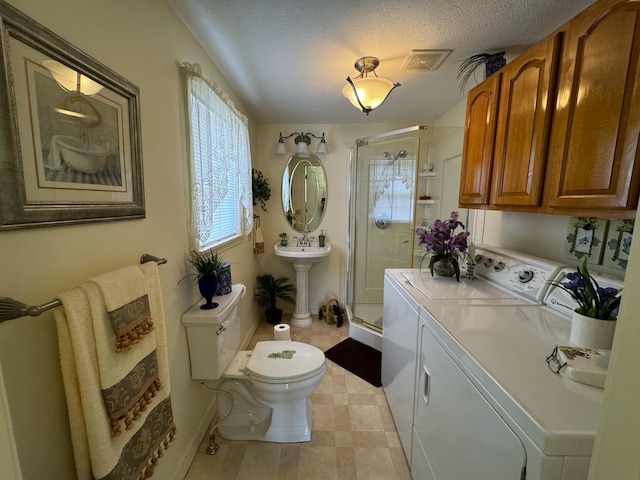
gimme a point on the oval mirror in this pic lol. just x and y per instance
(304, 192)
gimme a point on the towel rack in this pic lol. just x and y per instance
(10, 308)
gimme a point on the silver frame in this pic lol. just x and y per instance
(15, 211)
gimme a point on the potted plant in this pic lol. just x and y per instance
(594, 320)
(444, 245)
(207, 265)
(492, 62)
(283, 239)
(267, 292)
(261, 188)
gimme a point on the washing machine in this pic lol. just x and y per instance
(502, 278)
(487, 405)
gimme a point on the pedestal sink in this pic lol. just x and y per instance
(302, 258)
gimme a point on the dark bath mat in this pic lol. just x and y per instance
(360, 359)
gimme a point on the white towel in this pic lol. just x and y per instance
(125, 296)
(258, 241)
(83, 325)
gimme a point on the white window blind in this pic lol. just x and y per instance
(220, 164)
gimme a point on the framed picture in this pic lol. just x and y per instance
(585, 238)
(69, 132)
(618, 244)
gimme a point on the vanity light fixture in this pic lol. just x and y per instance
(364, 92)
(303, 140)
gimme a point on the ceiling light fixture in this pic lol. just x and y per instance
(303, 141)
(364, 92)
(71, 80)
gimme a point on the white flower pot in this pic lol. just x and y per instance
(590, 332)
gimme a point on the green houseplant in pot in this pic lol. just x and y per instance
(491, 61)
(283, 239)
(594, 320)
(267, 292)
(207, 266)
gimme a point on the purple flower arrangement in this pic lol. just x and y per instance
(443, 243)
(594, 301)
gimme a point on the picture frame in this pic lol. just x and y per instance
(69, 132)
(618, 244)
(585, 238)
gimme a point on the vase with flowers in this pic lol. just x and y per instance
(444, 245)
(594, 320)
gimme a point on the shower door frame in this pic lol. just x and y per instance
(351, 191)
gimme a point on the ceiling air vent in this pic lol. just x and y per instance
(425, 59)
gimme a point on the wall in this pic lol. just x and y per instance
(144, 42)
(615, 452)
(327, 279)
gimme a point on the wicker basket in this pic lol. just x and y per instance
(328, 312)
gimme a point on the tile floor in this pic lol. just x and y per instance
(353, 437)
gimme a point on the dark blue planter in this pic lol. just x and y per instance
(208, 286)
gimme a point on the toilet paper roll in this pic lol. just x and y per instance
(281, 332)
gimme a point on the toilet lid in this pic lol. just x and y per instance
(281, 360)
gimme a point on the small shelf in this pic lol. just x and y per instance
(427, 174)
(426, 202)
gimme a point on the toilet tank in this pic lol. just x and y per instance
(213, 335)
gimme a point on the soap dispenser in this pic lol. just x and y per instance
(321, 239)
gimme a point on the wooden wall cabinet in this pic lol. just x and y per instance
(527, 96)
(566, 133)
(479, 137)
(594, 140)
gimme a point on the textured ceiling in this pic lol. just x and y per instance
(288, 59)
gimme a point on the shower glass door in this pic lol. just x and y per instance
(382, 218)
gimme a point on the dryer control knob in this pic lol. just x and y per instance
(498, 266)
(525, 276)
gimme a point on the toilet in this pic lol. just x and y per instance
(270, 385)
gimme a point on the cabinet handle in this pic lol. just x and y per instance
(426, 384)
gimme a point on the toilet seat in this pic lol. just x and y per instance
(277, 361)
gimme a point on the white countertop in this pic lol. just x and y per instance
(502, 346)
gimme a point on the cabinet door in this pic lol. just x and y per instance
(594, 138)
(462, 435)
(479, 137)
(524, 120)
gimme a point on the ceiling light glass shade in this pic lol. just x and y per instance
(372, 92)
(70, 80)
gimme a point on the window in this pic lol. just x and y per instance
(219, 163)
(391, 191)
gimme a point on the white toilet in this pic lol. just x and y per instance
(270, 385)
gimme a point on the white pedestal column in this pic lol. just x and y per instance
(302, 317)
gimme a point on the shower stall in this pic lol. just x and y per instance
(395, 184)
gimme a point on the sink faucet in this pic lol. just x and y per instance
(303, 241)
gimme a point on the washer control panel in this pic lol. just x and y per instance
(519, 273)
